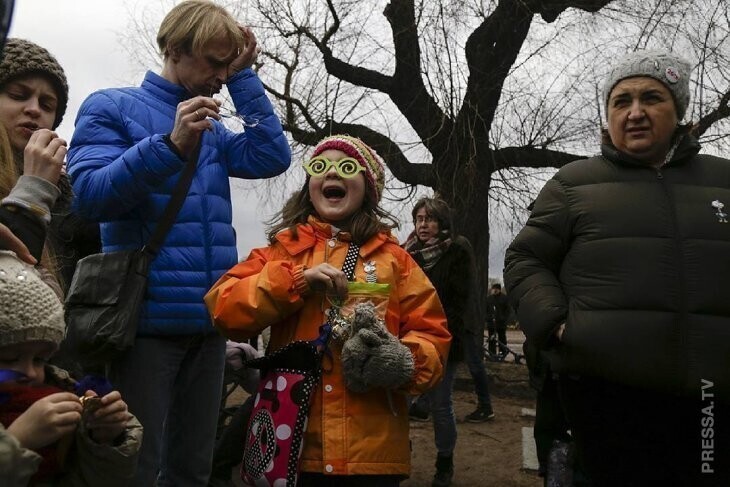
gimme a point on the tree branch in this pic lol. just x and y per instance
(290, 101)
(356, 75)
(491, 50)
(722, 111)
(408, 91)
(550, 10)
(532, 157)
(403, 169)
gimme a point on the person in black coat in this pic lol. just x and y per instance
(448, 261)
(498, 312)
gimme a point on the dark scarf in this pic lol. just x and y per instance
(15, 399)
(426, 254)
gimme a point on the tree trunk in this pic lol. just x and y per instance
(470, 210)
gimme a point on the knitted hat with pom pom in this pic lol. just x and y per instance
(361, 152)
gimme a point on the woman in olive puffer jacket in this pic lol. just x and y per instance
(621, 278)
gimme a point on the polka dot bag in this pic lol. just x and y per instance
(273, 442)
(275, 433)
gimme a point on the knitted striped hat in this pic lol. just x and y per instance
(364, 154)
(23, 58)
(29, 309)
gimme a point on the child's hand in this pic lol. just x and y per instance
(109, 421)
(47, 420)
(325, 277)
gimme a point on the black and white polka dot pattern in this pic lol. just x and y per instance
(299, 428)
(268, 444)
(260, 446)
(348, 267)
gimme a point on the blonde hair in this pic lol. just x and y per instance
(8, 172)
(8, 178)
(192, 24)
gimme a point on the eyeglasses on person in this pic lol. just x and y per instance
(346, 168)
(425, 219)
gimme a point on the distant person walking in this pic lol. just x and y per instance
(498, 312)
(448, 261)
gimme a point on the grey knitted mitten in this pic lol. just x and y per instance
(372, 356)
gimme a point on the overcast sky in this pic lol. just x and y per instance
(85, 37)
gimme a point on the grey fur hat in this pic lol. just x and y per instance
(23, 58)
(665, 67)
(29, 309)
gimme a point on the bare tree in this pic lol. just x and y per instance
(473, 99)
(476, 99)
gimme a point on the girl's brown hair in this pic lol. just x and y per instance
(8, 172)
(365, 223)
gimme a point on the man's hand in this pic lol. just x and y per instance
(110, 420)
(47, 420)
(8, 241)
(191, 119)
(43, 155)
(248, 54)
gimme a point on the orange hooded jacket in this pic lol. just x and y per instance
(347, 433)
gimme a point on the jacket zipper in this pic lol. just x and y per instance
(680, 360)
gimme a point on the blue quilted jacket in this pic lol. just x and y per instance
(123, 174)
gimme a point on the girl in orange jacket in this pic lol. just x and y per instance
(353, 437)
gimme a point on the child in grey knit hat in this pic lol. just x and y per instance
(39, 417)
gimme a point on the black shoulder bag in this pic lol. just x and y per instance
(107, 291)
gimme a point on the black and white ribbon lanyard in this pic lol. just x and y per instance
(348, 267)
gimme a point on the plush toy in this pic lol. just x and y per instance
(372, 356)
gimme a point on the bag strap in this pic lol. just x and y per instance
(325, 330)
(173, 206)
(348, 267)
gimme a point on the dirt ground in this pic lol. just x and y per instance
(487, 454)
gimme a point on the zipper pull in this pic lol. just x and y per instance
(659, 174)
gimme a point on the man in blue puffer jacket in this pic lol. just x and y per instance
(127, 152)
